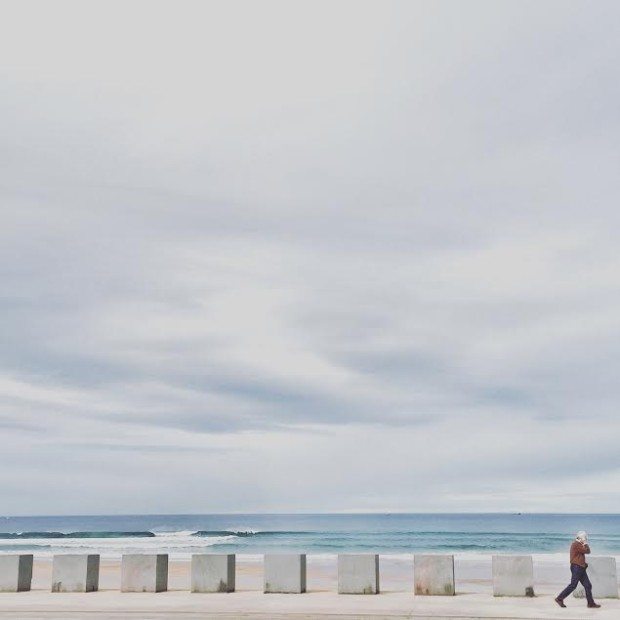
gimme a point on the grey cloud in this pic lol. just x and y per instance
(287, 239)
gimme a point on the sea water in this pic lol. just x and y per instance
(310, 533)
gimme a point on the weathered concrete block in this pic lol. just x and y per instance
(603, 575)
(15, 573)
(213, 572)
(285, 573)
(513, 575)
(358, 573)
(433, 575)
(75, 573)
(144, 573)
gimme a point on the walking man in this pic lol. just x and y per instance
(578, 569)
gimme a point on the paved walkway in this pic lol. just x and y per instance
(112, 605)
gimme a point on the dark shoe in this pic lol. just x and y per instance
(560, 602)
(593, 605)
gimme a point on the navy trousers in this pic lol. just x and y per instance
(579, 574)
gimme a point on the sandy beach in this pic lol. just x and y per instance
(474, 595)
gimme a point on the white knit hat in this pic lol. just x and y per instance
(582, 537)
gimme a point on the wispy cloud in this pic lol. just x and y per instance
(323, 256)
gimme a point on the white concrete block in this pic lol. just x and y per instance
(285, 573)
(358, 573)
(15, 573)
(144, 573)
(433, 575)
(604, 577)
(213, 572)
(75, 573)
(513, 575)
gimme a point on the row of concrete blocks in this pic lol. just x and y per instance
(286, 573)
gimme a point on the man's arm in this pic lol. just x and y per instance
(586, 548)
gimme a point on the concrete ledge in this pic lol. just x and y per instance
(213, 572)
(284, 573)
(603, 575)
(513, 575)
(144, 573)
(358, 573)
(75, 573)
(15, 573)
(433, 575)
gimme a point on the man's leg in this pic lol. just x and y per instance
(574, 582)
(587, 586)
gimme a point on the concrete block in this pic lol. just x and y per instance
(433, 575)
(75, 573)
(513, 575)
(144, 573)
(213, 572)
(603, 575)
(358, 573)
(284, 573)
(15, 573)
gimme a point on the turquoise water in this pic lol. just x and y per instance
(318, 533)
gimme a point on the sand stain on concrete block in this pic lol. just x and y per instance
(358, 573)
(144, 573)
(434, 575)
(212, 572)
(513, 575)
(284, 573)
(75, 573)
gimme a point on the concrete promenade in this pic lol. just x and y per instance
(321, 605)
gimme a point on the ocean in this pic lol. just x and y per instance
(252, 534)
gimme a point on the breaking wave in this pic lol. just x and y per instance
(248, 533)
(147, 534)
(56, 535)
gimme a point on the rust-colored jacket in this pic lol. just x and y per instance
(578, 553)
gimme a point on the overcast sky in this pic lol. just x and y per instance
(306, 256)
